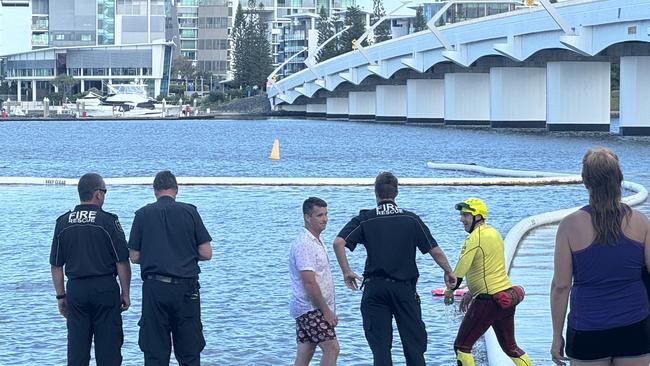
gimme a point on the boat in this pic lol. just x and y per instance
(123, 101)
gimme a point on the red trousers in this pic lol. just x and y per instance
(483, 313)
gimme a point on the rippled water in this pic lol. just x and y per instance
(245, 287)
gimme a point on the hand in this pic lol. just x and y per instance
(350, 279)
(450, 280)
(449, 297)
(126, 302)
(330, 317)
(465, 302)
(557, 351)
(62, 307)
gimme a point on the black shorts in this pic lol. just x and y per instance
(311, 327)
(628, 341)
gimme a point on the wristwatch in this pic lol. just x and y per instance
(59, 297)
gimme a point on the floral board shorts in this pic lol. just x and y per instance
(311, 327)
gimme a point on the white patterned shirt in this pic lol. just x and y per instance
(308, 253)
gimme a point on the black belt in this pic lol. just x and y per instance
(167, 279)
(485, 297)
(382, 278)
(94, 277)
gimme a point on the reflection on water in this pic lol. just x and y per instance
(245, 287)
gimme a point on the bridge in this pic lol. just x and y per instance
(545, 66)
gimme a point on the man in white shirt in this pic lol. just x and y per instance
(312, 298)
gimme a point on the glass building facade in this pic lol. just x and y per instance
(289, 18)
(459, 12)
(94, 41)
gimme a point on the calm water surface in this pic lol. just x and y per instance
(245, 288)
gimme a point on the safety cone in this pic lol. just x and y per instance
(275, 150)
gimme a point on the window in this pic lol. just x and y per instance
(185, 44)
(189, 33)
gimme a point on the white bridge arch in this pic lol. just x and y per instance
(533, 67)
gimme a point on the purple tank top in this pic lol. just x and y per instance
(607, 288)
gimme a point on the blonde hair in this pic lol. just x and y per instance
(602, 175)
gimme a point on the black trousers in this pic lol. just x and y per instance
(93, 307)
(381, 301)
(171, 309)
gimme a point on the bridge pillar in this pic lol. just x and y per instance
(467, 99)
(293, 109)
(362, 105)
(425, 102)
(634, 96)
(337, 107)
(577, 95)
(391, 103)
(315, 110)
(518, 97)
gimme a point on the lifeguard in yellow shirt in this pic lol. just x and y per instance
(491, 299)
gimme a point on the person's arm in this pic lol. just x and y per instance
(349, 277)
(205, 251)
(124, 275)
(135, 256)
(135, 239)
(316, 296)
(201, 236)
(441, 259)
(467, 254)
(560, 289)
(59, 288)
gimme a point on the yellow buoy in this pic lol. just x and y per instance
(275, 150)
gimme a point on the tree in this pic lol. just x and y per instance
(182, 68)
(252, 60)
(420, 21)
(262, 60)
(355, 20)
(239, 44)
(64, 84)
(382, 32)
(325, 31)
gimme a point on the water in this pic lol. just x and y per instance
(245, 287)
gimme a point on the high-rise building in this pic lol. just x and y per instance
(295, 36)
(466, 10)
(201, 34)
(291, 26)
(94, 41)
(187, 12)
(213, 48)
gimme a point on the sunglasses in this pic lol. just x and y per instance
(102, 189)
(464, 206)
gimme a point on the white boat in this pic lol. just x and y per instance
(123, 101)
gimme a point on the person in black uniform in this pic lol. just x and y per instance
(391, 236)
(90, 244)
(168, 239)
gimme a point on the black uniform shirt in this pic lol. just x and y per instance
(167, 234)
(390, 235)
(88, 241)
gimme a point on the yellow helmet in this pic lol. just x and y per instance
(474, 206)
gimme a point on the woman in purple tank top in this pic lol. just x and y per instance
(601, 252)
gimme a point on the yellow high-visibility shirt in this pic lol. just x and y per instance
(482, 262)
